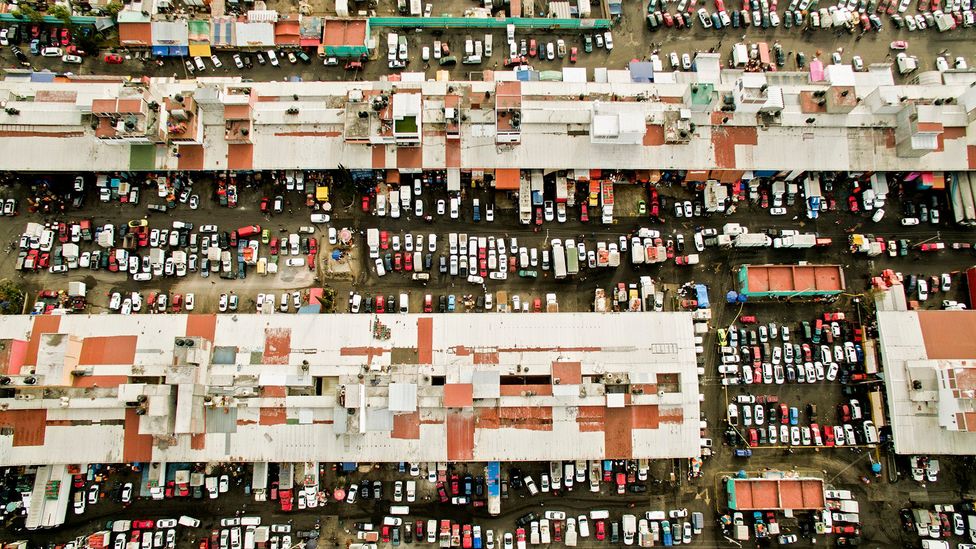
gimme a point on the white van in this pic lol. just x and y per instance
(452, 241)
(599, 514)
(189, 522)
(400, 510)
(381, 205)
(404, 303)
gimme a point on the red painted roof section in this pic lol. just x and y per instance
(273, 416)
(135, 447)
(425, 340)
(591, 419)
(771, 494)
(240, 156)
(99, 381)
(12, 356)
(28, 426)
(460, 436)
(43, 324)
(940, 331)
(204, 326)
(406, 426)
(191, 157)
(645, 417)
(108, 350)
(617, 433)
(277, 345)
(410, 157)
(458, 395)
(568, 373)
(379, 157)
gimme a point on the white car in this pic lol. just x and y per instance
(57, 52)
(188, 302)
(71, 59)
(705, 19)
(608, 39)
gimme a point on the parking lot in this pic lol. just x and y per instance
(762, 371)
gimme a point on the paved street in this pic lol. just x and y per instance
(631, 40)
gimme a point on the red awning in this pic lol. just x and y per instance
(507, 179)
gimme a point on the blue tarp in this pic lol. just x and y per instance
(641, 71)
(702, 292)
(348, 466)
(170, 51)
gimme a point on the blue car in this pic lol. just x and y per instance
(794, 416)
(35, 47)
(450, 303)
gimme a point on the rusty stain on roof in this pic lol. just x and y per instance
(119, 349)
(671, 415)
(198, 441)
(406, 426)
(485, 358)
(590, 419)
(725, 139)
(520, 390)
(940, 331)
(277, 345)
(274, 391)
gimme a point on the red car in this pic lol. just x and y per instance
(753, 438)
(274, 491)
(784, 414)
(114, 59)
(557, 531)
(274, 246)
(844, 411)
(601, 530)
(852, 204)
(532, 47)
(313, 246)
(408, 262)
(668, 20)
(466, 537)
(384, 532)
(621, 483)
(828, 432)
(65, 37)
(538, 216)
(384, 240)
(419, 529)
(62, 232)
(264, 204)
(397, 260)
(428, 305)
(584, 213)
(366, 203)
(286, 501)
(515, 61)
(233, 239)
(353, 66)
(748, 320)
(380, 304)
(442, 492)
(143, 524)
(572, 54)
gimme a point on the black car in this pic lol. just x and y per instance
(304, 57)
(526, 519)
(637, 488)
(442, 304)
(390, 301)
(247, 61)
(13, 34)
(364, 491)
(515, 477)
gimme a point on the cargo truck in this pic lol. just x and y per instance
(753, 240)
(373, 242)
